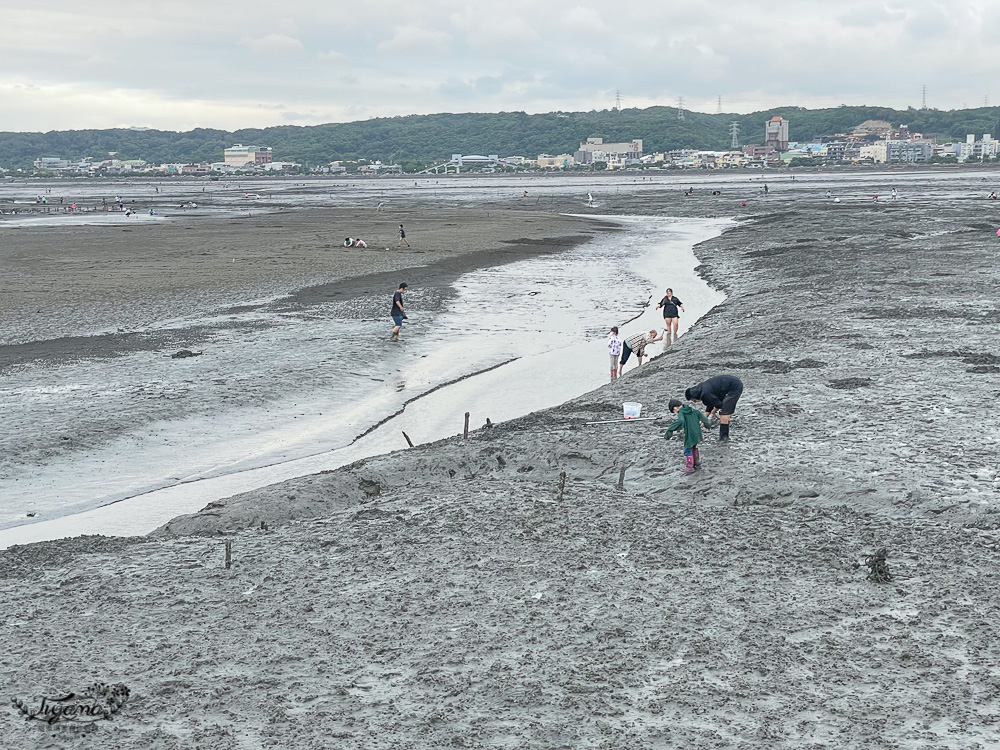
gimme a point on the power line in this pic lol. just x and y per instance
(734, 131)
(718, 109)
(618, 100)
(923, 97)
(680, 107)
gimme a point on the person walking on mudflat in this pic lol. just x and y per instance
(402, 237)
(637, 344)
(670, 315)
(718, 394)
(398, 314)
(688, 419)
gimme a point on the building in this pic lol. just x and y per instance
(834, 150)
(474, 160)
(803, 151)
(562, 161)
(595, 149)
(776, 133)
(973, 149)
(53, 164)
(883, 152)
(241, 157)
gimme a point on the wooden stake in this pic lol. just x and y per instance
(488, 422)
(562, 483)
(408, 441)
(229, 553)
(466, 433)
(621, 480)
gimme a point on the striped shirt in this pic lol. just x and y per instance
(638, 342)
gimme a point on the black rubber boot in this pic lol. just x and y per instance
(723, 432)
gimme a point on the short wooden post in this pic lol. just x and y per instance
(465, 434)
(621, 479)
(488, 422)
(562, 483)
(408, 441)
(229, 553)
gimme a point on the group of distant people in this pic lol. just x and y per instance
(620, 351)
(719, 394)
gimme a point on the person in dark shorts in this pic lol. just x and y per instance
(398, 315)
(637, 344)
(670, 304)
(718, 394)
(402, 237)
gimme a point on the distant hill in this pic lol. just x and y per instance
(431, 139)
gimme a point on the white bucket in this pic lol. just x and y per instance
(631, 409)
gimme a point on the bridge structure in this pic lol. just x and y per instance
(458, 161)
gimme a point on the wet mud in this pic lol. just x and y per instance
(451, 595)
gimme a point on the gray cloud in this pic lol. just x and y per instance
(190, 64)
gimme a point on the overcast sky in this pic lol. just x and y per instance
(214, 63)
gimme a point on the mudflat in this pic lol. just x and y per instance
(96, 294)
(462, 594)
(69, 282)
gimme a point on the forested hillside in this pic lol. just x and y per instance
(430, 139)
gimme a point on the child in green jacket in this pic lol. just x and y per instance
(688, 419)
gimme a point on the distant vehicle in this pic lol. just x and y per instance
(253, 196)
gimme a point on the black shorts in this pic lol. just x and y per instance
(729, 402)
(626, 353)
(667, 314)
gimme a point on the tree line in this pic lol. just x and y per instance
(416, 140)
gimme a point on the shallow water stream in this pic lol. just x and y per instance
(533, 330)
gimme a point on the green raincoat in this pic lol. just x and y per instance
(688, 419)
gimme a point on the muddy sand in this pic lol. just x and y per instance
(98, 294)
(451, 596)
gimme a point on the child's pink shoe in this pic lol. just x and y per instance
(688, 465)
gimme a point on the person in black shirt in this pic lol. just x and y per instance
(398, 315)
(719, 394)
(670, 315)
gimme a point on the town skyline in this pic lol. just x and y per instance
(185, 65)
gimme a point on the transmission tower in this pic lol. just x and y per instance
(718, 109)
(680, 107)
(923, 97)
(618, 100)
(734, 131)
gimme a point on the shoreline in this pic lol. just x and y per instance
(426, 423)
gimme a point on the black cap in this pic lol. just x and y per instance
(673, 404)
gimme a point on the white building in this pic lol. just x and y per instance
(241, 156)
(53, 164)
(547, 161)
(595, 149)
(883, 152)
(972, 148)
